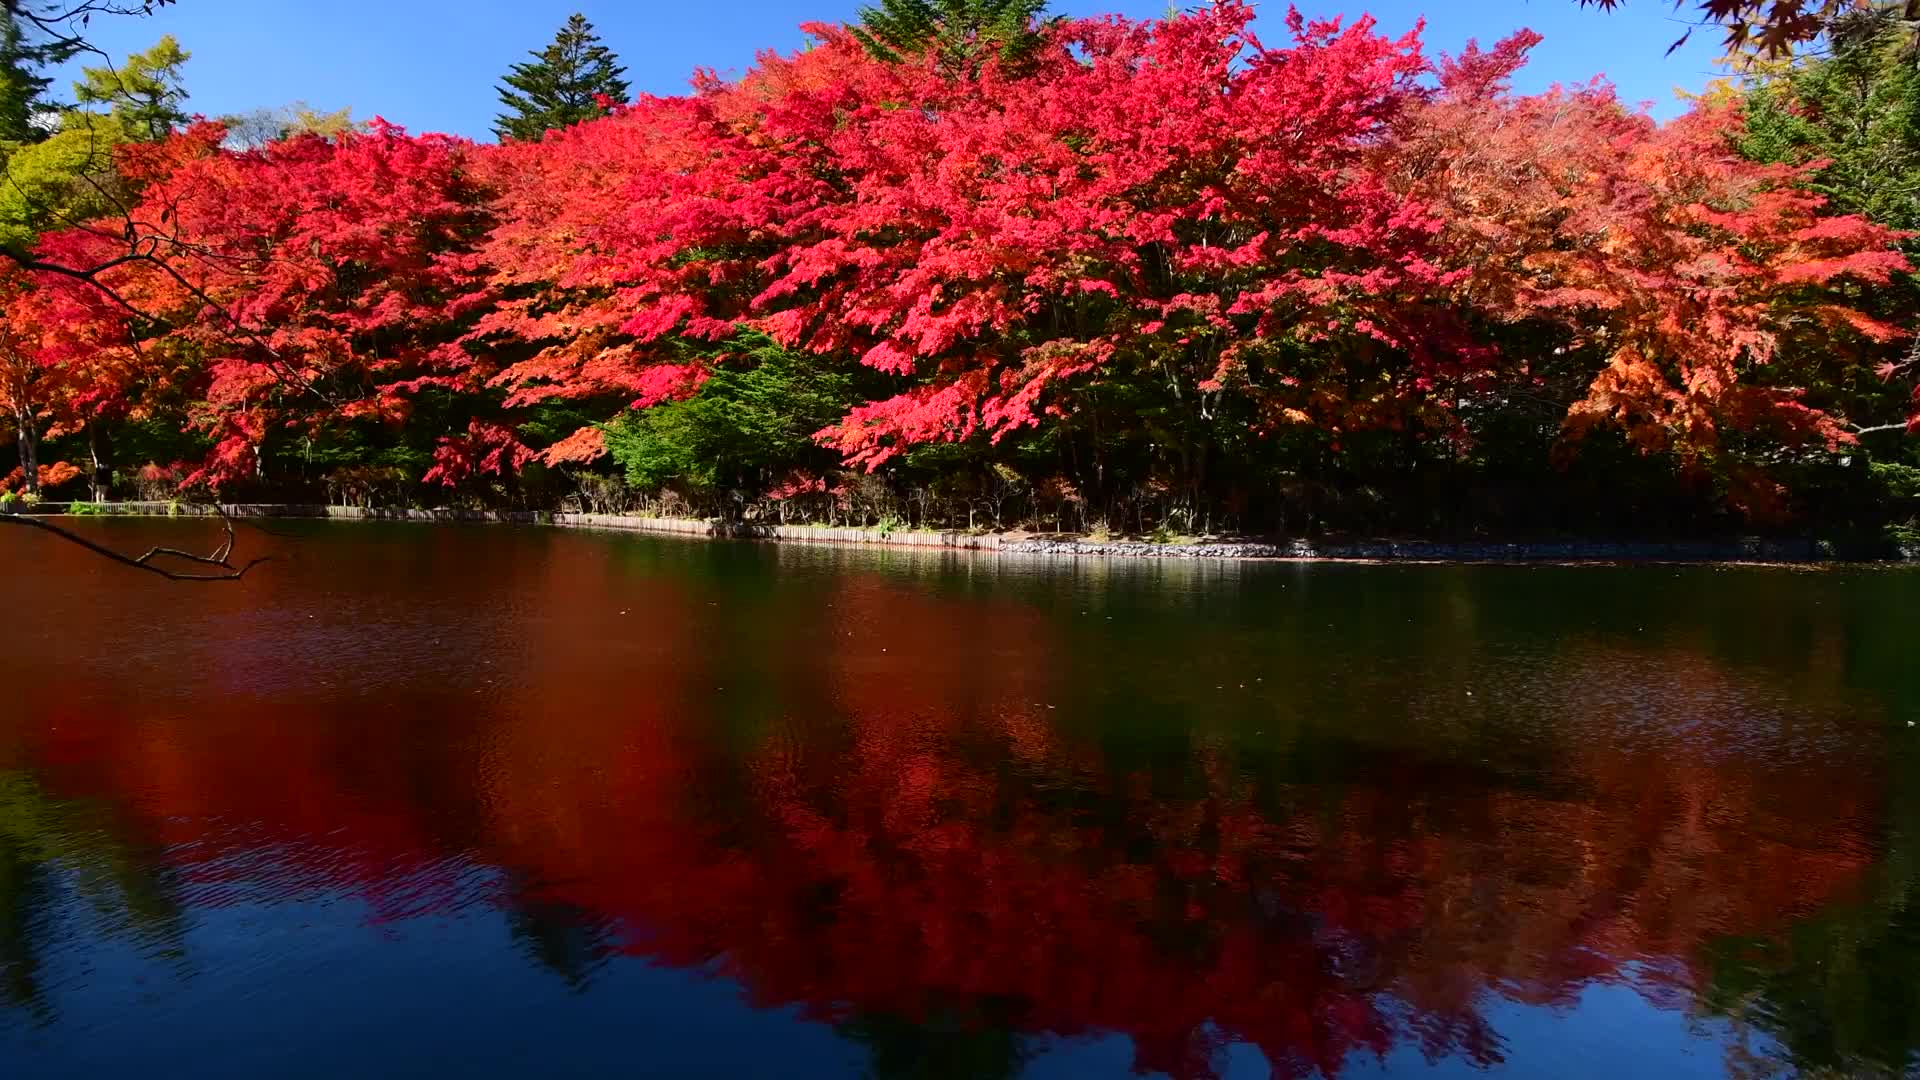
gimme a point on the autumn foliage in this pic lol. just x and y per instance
(1162, 255)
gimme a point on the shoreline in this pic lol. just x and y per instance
(1751, 551)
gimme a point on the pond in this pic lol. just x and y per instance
(500, 801)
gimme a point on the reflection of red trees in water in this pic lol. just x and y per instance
(905, 824)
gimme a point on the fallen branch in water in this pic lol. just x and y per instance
(221, 557)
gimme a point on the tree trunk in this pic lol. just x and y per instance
(29, 451)
(93, 455)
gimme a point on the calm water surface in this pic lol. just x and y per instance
(499, 802)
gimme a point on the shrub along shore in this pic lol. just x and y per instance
(1068, 545)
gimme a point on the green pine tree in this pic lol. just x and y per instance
(962, 34)
(562, 86)
(22, 87)
(1856, 110)
(142, 95)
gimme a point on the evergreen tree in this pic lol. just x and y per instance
(1856, 110)
(36, 36)
(21, 84)
(142, 95)
(565, 84)
(961, 33)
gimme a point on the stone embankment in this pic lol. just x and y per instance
(1745, 550)
(1466, 551)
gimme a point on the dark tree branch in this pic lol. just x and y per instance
(278, 364)
(65, 24)
(221, 557)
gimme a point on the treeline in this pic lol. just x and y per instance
(977, 267)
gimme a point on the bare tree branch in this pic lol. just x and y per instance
(65, 24)
(221, 557)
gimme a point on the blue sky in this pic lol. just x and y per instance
(431, 65)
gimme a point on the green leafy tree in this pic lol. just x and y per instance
(143, 96)
(746, 423)
(960, 33)
(566, 82)
(69, 179)
(68, 176)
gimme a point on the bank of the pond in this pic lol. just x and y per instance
(1751, 549)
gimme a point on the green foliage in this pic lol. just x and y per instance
(1858, 110)
(550, 421)
(1897, 481)
(749, 420)
(142, 96)
(1894, 490)
(562, 86)
(85, 509)
(155, 439)
(8, 501)
(353, 445)
(62, 174)
(66, 176)
(962, 34)
(68, 179)
(22, 87)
